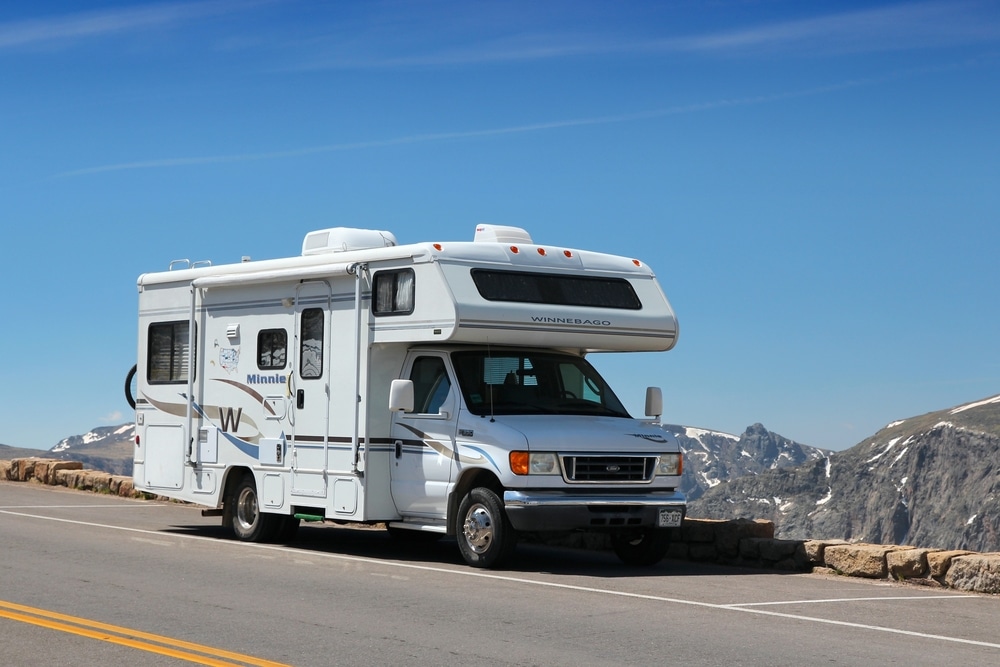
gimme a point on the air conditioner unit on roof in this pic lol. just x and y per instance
(501, 234)
(343, 239)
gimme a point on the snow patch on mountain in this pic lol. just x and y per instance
(969, 406)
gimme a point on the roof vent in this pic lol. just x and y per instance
(344, 239)
(501, 234)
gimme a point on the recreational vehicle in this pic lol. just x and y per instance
(439, 388)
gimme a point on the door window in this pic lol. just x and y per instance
(311, 350)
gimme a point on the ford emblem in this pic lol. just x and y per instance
(613, 468)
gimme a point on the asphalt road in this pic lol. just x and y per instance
(90, 579)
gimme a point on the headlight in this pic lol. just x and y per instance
(670, 464)
(534, 463)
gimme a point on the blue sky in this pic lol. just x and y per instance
(817, 184)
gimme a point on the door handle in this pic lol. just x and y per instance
(300, 399)
(399, 449)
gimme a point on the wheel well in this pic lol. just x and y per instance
(470, 480)
(233, 477)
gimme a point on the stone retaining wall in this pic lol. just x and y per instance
(740, 542)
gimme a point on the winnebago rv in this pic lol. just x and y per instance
(439, 388)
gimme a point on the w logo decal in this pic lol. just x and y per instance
(230, 422)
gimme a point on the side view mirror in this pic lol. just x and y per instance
(401, 396)
(654, 402)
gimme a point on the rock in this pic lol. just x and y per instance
(940, 561)
(775, 553)
(699, 530)
(859, 560)
(815, 549)
(907, 563)
(46, 470)
(728, 534)
(702, 552)
(21, 470)
(678, 551)
(975, 572)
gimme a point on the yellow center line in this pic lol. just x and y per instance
(127, 637)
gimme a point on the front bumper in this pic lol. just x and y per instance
(558, 510)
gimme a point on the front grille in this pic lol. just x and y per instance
(614, 469)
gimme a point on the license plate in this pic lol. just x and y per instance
(670, 518)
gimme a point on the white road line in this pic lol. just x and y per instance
(73, 507)
(533, 582)
(899, 597)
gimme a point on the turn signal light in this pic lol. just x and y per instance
(519, 463)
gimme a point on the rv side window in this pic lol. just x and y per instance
(168, 353)
(311, 352)
(393, 292)
(272, 349)
(548, 288)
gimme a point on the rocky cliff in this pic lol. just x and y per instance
(932, 480)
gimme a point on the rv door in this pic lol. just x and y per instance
(309, 384)
(423, 464)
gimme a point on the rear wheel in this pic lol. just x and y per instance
(485, 536)
(641, 547)
(247, 522)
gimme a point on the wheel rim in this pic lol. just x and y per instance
(246, 509)
(478, 528)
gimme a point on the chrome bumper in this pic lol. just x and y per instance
(558, 510)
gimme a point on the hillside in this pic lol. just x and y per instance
(931, 481)
(7, 452)
(107, 448)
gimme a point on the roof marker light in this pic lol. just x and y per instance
(437, 246)
(541, 251)
(514, 249)
(567, 253)
(637, 262)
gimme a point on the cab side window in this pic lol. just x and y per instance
(431, 385)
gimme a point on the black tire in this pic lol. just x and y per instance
(641, 547)
(128, 386)
(485, 537)
(247, 522)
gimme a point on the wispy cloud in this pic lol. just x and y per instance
(72, 27)
(468, 134)
(427, 41)
(893, 27)
(112, 417)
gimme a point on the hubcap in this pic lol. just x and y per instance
(478, 529)
(246, 509)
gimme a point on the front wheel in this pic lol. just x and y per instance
(485, 536)
(641, 547)
(247, 522)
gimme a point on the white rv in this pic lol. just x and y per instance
(440, 388)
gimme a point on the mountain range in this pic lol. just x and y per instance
(929, 481)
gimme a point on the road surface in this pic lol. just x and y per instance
(92, 579)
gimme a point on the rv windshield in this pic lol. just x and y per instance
(528, 383)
